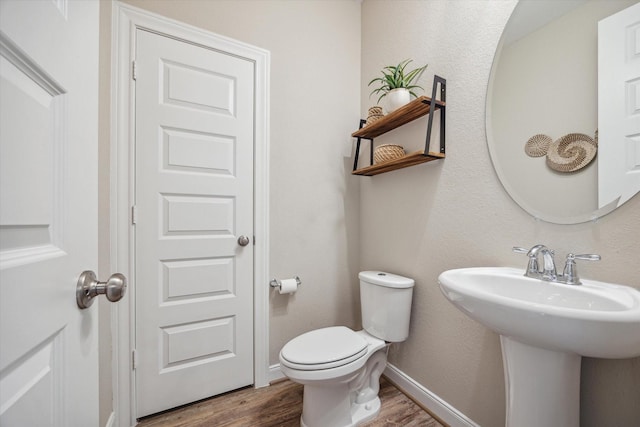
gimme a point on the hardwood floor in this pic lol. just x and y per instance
(280, 405)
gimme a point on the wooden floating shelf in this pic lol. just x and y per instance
(409, 160)
(414, 110)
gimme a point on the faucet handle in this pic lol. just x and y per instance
(586, 257)
(570, 273)
(532, 266)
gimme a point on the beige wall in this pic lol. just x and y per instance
(426, 219)
(314, 107)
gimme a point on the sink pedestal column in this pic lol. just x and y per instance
(542, 386)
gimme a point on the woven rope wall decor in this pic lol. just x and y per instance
(572, 152)
(537, 145)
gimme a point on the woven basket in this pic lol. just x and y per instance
(387, 152)
(375, 113)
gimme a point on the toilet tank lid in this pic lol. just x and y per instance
(386, 279)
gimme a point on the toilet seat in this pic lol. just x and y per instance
(324, 348)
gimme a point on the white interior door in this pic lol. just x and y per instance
(194, 199)
(619, 106)
(48, 216)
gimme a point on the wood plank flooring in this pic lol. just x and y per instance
(280, 405)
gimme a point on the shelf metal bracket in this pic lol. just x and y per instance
(355, 163)
(443, 97)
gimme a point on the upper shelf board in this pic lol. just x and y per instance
(413, 110)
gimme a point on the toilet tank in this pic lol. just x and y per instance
(385, 300)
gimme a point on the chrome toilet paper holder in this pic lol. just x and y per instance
(275, 283)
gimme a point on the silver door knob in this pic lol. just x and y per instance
(243, 240)
(89, 287)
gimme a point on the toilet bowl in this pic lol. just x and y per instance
(340, 368)
(340, 371)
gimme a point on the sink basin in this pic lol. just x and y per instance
(544, 330)
(595, 319)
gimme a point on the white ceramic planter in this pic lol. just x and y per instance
(396, 98)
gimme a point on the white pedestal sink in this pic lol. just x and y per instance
(545, 328)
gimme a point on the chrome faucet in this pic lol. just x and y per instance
(548, 272)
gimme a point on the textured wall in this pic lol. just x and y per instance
(454, 213)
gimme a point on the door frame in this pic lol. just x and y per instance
(126, 20)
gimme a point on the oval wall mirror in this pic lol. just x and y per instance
(544, 81)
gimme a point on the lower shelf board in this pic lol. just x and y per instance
(409, 160)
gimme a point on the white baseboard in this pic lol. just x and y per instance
(275, 373)
(428, 399)
(414, 390)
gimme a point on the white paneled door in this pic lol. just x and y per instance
(194, 112)
(48, 211)
(619, 106)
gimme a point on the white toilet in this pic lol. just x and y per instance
(340, 368)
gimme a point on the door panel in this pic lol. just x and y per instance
(619, 106)
(48, 216)
(194, 197)
(196, 152)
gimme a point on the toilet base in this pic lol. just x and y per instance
(346, 401)
(360, 413)
(363, 412)
(344, 396)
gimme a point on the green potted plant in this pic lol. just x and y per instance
(398, 84)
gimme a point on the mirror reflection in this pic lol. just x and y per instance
(544, 90)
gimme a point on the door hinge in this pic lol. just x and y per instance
(134, 215)
(134, 359)
(134, 70)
